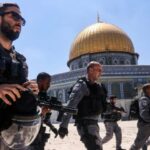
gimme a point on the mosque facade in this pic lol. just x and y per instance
(113, 48)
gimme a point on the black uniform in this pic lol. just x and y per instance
(13, 70)
(13, 67)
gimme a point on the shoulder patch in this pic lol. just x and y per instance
(144, 103)
(80, 80)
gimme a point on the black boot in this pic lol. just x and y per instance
(144, 147)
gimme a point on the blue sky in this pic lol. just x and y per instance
(52, 26)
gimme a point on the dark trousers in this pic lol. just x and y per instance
(89, 133)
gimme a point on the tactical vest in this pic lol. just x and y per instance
(94, 103)
(12, 71)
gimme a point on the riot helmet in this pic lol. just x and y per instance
(24, 122)
(22, 131)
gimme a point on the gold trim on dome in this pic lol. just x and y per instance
(100, 37)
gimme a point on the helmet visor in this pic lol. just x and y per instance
(22, 132)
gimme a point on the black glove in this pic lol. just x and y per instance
(49, 124)
(62, 132)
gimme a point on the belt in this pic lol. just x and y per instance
(86, 121)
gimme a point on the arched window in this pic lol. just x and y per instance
(127, 62)
(115, 61)
(102, 61)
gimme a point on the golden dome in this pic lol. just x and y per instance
(100, 37)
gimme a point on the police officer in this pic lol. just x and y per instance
(111, 116)
(13, 69)
(144, 119)
(43, 81)
(89, 97)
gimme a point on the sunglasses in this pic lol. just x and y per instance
(15, 16)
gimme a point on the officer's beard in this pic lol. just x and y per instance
(8, 32)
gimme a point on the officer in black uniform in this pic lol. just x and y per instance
(16, 92)
(90, 98)
(43, 81)
(143, 133)
(111, 116)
